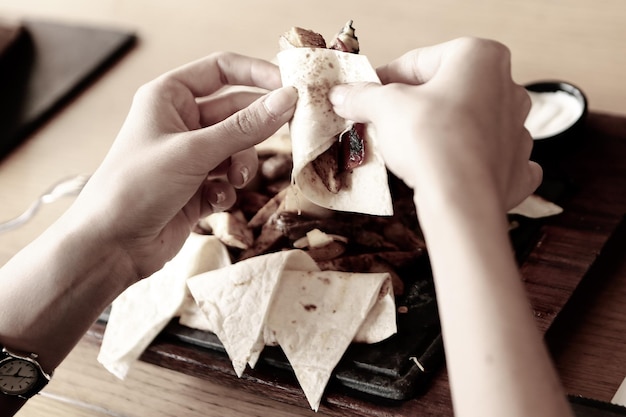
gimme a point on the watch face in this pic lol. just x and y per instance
(17, 376)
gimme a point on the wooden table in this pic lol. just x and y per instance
(574, 40)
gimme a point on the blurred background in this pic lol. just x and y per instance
(565, 39)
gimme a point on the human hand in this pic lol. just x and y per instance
(450, 123)
(450, 119)
(183, 149)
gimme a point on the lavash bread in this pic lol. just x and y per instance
(314, 127)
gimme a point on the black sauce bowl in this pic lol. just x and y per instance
(551, 148)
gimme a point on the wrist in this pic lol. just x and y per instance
(468, 223)
(56, 287)
(94, 252)
(92, 236)
(471, 199)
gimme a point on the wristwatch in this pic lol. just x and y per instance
(21, 375)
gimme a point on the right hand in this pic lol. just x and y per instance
(450, 119)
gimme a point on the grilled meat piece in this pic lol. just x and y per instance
(298, 37)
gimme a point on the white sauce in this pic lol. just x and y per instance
(551, 113)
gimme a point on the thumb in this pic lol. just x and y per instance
(255, 123)
(356, 101)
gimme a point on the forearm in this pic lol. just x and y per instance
(55, 288)
(495, 355)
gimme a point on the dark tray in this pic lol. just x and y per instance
(587, 407)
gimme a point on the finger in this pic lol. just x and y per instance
(207, 75)
(421, 65)
(217, 108)
(239, 168)
(217, 196)
(529, 182)
(250, 125)
(471, 61)
(416, 66)
(527, 143)
(525, 102)
(220, 170)
(536, 175)
(360, 102)
(243, 167)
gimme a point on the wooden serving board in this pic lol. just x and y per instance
(567, 248)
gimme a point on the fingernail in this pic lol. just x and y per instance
(217, 198)
(281, 100)
(241, 174)
(337, 95)
(245, 174)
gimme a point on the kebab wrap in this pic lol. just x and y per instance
(315, 128)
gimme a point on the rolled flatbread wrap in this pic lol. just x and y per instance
(315, 126)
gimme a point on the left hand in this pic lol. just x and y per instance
(180, 154)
